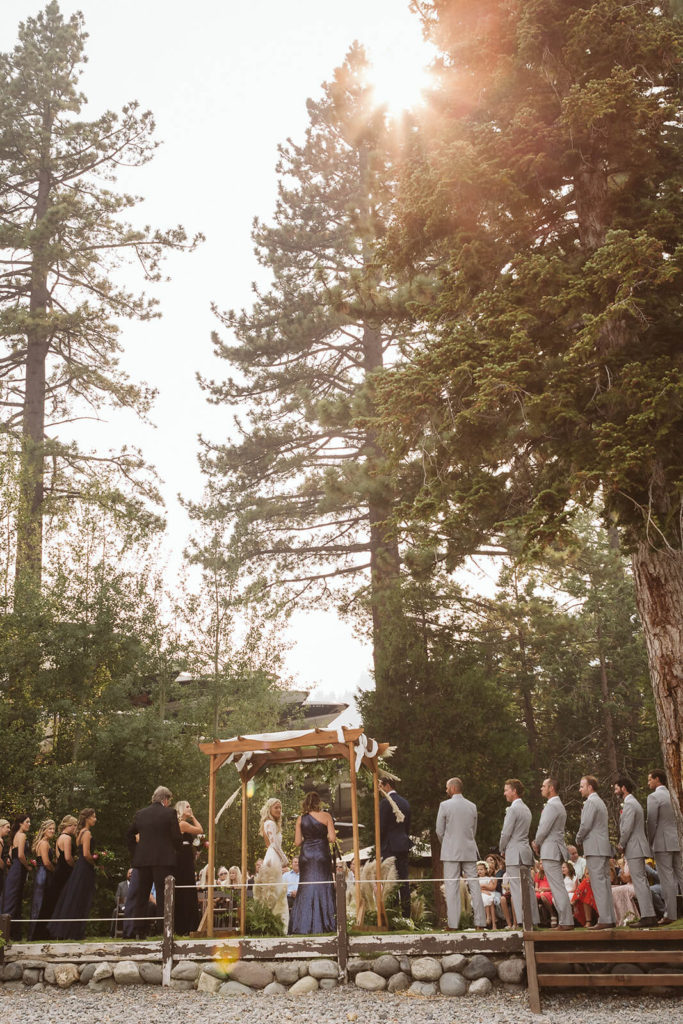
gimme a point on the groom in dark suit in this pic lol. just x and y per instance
(394, 828)
(153, 841)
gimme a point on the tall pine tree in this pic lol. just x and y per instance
(307, 487)
(545, 197)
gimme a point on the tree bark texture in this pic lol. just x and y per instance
(659, 595)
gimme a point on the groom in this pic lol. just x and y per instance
(394, 828)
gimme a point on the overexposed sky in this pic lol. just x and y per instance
(227, 81)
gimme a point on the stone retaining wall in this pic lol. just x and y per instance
(452, 975)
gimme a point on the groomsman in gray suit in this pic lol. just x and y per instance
(456, 827)
(549, 844)
(663, 836)
(594, 834)
(634, 844)
(514, 845)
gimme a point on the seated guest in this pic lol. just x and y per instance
(579, 863)
(623, 896)
(569, 877)
(120, 901)
(496, 869)
(291, 877)
(583, 902)
(544, 896)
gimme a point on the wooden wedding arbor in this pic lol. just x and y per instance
(250, 754)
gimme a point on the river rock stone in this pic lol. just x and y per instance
(303, 986)
(404, 964)
(150, 973)
(105, 985)
(87, 973)
(208, 983)
(286, 973)
(398, 982)
(480, 967)
(63, 975)
(180, 985)
(481, 987)
(49, 974)
(101, 972)
(11, 972)
(13, 986)
(423, 988)
(632, 969)
(31, 976)
(126, 973)
(234, 988)
(216, 970)
(452, 984)
(512, 971)
(323, 969)
(356, 964)
(253, 975)
(186, 970)
(386, 965)
(426, 968)
(455, 962)
(328, 983)
(275, 989)
(370, 982)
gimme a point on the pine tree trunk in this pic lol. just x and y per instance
(606, 713)
(659, 595)
(29, 563)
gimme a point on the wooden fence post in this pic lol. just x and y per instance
(167, 941)
(529, 950)
(340, 896)
(5, 925)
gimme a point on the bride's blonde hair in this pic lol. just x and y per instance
(266, 815)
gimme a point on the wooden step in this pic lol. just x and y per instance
(609, 980)
(608, 956)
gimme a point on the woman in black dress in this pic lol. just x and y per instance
(16, 876)
(42, 903)
(187, 900)
(66, 847)
(73, 906)
(313, 909)
(5, 829)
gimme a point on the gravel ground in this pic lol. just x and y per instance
(150, 1005)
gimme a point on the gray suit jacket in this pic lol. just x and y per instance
(456, 827)
(661, 823)
(514, 839)
(632, 829)
(550, 831)
(594, 829)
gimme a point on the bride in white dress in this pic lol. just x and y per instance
(270, 889)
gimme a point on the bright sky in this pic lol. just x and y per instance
(227, 81)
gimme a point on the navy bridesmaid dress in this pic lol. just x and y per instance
(75, 901)
(14, 893)
(43, 900)
(313, 910)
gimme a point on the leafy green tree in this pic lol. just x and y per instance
(61, 238)
(306, 485)
(544, 197)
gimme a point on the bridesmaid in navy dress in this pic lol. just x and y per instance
(77, 895)
(313, 908)
(42, 903)
(66, 846)
(5, 829)
(16, 876)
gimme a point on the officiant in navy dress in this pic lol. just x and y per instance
(313, 909)
(394, 830)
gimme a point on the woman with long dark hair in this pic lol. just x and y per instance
(5, 829)
(187, 901)
(313, 909)
(42, 903)
(16, 876)
(73, 906)
(66, 855)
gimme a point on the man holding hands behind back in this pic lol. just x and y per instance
(456, 827)
(549, 844)
(155, 852)
(594, 834)
(514, 846)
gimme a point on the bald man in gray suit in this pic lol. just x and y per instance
(514, 845)
(663, 836)
(594, 834)
(634, 844)
(456, 827)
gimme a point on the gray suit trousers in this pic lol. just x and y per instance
(601, 885)
(641, 886)
(452, 869)
(553, 872)
(513, 871)
(670, 872)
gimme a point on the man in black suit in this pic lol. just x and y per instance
(154, 840)
(394, 828)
